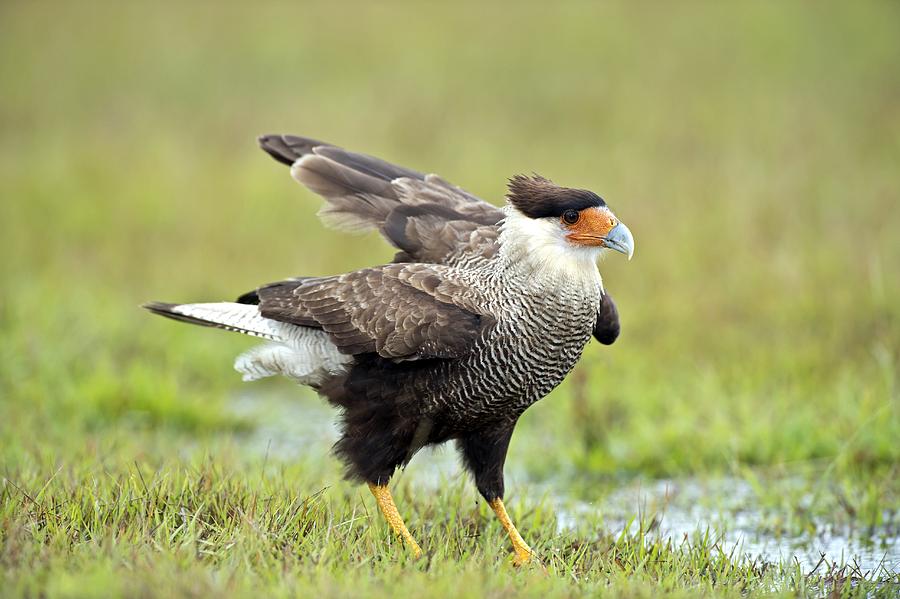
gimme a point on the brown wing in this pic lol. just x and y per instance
(607, 327)
(399, 311)
(425, 217)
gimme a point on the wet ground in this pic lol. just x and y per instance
(682, 508)
(727, 508)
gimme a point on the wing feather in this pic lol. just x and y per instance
(424, 216)
(607, 327)
(399, 311)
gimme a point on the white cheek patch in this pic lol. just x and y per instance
(540, 245)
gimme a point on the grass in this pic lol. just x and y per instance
(205, 529)
(753, 150)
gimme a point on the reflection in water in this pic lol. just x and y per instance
(676, 509)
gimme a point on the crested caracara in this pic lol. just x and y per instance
(482, 312)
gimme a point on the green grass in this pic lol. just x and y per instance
(753, 150)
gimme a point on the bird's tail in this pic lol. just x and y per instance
(240, 318)
(304, 354)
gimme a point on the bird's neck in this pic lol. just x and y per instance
(533, 253)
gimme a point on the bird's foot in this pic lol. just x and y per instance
(526, 558)
(386, 502)
(523, 556)
(523, 553)
(414, 548)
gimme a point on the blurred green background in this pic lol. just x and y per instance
(753, 149)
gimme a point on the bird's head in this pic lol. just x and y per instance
(561, 220)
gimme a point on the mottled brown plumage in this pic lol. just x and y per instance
(398, 311)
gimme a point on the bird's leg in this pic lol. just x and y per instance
(484, 454)
(386, 503)
(521, 548)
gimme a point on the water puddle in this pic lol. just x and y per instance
(728, 509)
(681, 509)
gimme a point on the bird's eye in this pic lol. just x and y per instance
(570, 217)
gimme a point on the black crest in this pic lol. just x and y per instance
(537, 197)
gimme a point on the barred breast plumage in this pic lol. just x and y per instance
(539, 335)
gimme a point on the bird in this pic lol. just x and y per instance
(481, 313)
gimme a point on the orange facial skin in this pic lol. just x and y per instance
(592, 226)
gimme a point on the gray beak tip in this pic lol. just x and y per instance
(621, 240)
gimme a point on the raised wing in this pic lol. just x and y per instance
(425, 217)
(399, 311)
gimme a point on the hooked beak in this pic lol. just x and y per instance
(620, 239)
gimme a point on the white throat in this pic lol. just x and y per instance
(538, 248)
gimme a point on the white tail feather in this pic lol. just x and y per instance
(301, 353)
(242, 318)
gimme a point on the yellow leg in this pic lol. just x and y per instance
(386, 502)
(523, 551)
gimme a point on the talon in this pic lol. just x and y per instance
(414, 547)
(521, 558)
(529, 559)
